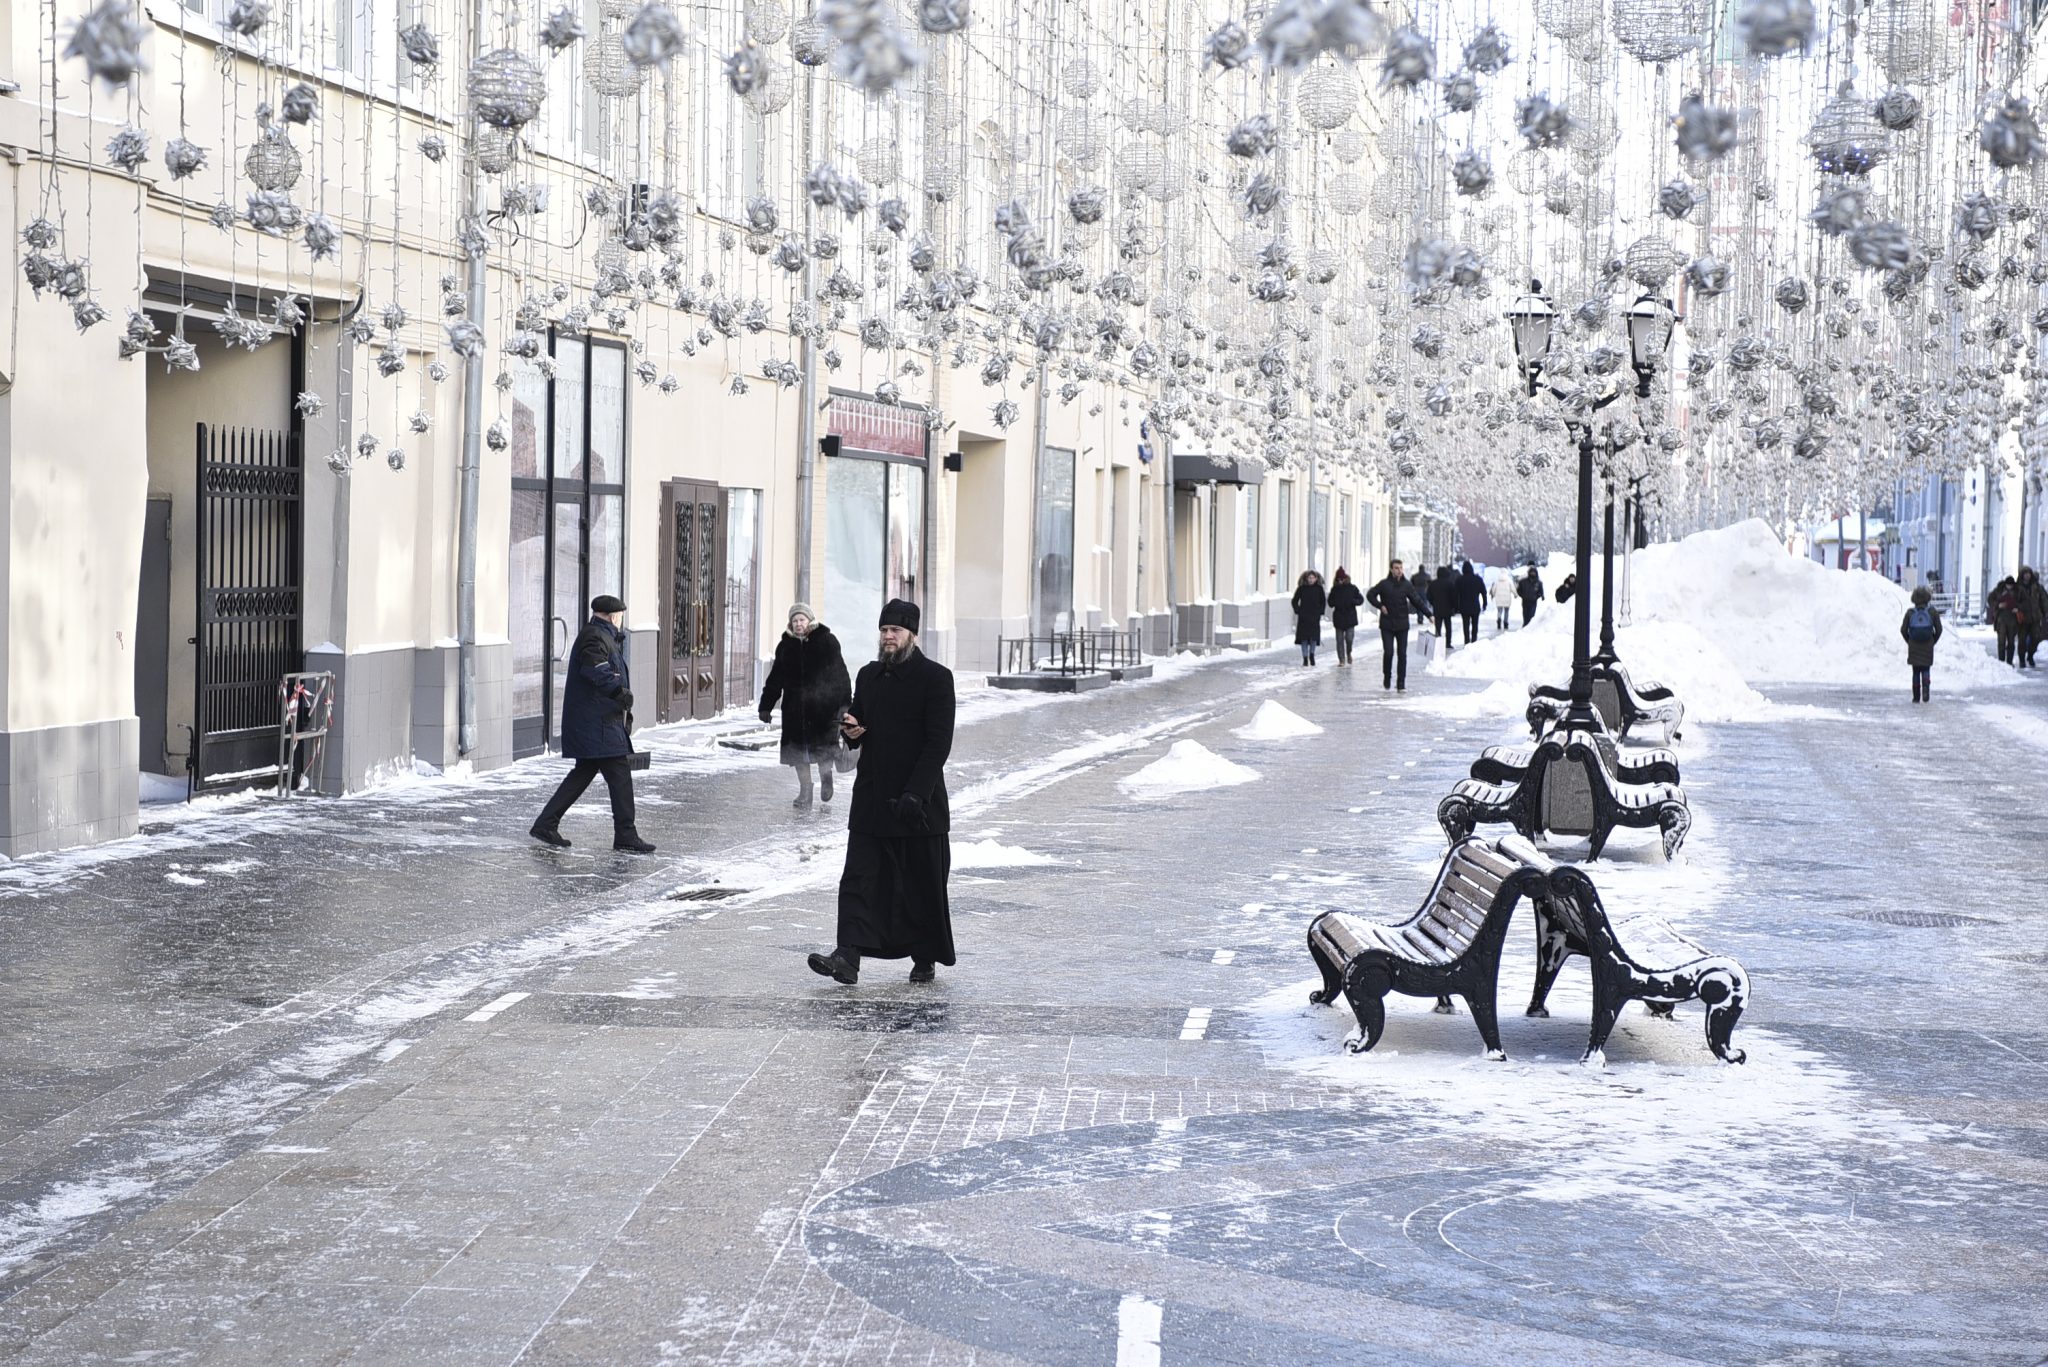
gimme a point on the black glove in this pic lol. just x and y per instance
(909, 810)
(624, 698)
(766, 714)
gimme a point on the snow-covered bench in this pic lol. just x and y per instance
(1542, 798)
(1507, 764)
(1634, 958)
(1618, 700)
(1451, 945)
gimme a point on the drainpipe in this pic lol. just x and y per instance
(471, 466)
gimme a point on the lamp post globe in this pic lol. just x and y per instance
(1530, 320)
(1650, 322)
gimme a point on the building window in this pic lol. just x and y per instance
(1251, 540)
(1283, 540)
(1319, 531)
(1052, 543)
(874, 508)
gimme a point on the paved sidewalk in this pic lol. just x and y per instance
(381, 1081)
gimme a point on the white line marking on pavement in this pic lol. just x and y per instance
(1223, 956)
(490, 1009)
(1197, 1023)
(1137, 1332)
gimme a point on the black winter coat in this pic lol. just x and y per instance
(1569, 587)
(1529, 588)
(1345, 601)
(906, 711)
(1309, 603)
(1396, 599)
(809, 678)
(1919, 654)
(1471, 591)
(1443, 593)
(594, 721)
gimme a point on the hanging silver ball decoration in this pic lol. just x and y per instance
(1253, 137)
(1678, 198)
(129, 148)
(1651, 261)
(561, 30)
(1541, 123)
(506, 89)
(1839, 210)
(422, 48)
(40, 234)
(137, 335)
(1227, 47)
(271, 213)
(775, 89)
(874, 52)
(495, 148)
(942, 16)
(1897, 109)
(466, 339)
(1791, 294)
(1978, 216)
(496, 437)
(322, 237)
(1461, 92)
(182, 158)
(1410, 60)
(1488, 52)
(1704, 132)
(1088, 204)
(395, 458)
(419, 422)
(1472, 173)
(1846, 138)
(247, 17)
(433, 147)
(1775, 28)
(1659, 30)
(109, 41)
(767, 21)
(810, 42)
(301, 103)
(309, 404)
(1326, 95)
(1346, 193)
(762, 215)
(1881, 246)
(653, 36)
(2009, 135)
(745, 69)
(1708, 275)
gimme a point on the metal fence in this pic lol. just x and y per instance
(1068, 652)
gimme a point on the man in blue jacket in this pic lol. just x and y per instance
(597, 724)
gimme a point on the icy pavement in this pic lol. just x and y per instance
(383, 1082)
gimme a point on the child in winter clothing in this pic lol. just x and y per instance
(1920, 628)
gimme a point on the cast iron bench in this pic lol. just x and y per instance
(1634, 958)
(1451, 945)
(1604, 803)
(1507, 763)
(1630, 706)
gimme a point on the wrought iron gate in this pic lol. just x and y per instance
(249, 539)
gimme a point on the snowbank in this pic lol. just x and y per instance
(1724, 610)
(991, 854)
(1274, 722)
(1188, 767)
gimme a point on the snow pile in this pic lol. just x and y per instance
(1188, 767)
(1720, 597)
(991, 854)
(1274, 722)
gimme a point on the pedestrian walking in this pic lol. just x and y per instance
(1443, 603)
(2033, 616)
(1530, 591)
(2002, 607)
(1503, 594)
(809, 679)
(892, 893)
(1345, 601)
(1921, 628)
(1569, 587)
(1395, 599)
(1309, 603)
(597, 728)
(1471, 600)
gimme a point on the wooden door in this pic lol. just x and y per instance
(691, 645)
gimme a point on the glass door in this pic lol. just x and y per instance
(1052, 608)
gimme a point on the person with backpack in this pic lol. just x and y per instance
(2002, 607)
(1471, 600)
(1530, 591)
(1309, 603)
(1921, 628)
(1345, 601)
(1503, 595)
(2033, 616)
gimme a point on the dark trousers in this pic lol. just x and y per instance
(1393, 654)
(618, 780)
(1471, 626)
(1443, 630)
(2008, 646)
(1345, 636)
(1500, 619)
(2029, 645)
(1528, 611)
(1922, 685)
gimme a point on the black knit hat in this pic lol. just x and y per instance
(604, 605)
(899, 612)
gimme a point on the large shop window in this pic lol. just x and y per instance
(568, 459)
(1052, 544)
(874, 510)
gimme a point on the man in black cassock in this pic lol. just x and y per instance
(892, 896)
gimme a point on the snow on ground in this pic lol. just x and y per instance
(1724, 610)
(992, 854)
(2030, 727)
(1187, 767)
(1274, 722)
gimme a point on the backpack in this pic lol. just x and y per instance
(1920, 625)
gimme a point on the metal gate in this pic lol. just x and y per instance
(249, 553)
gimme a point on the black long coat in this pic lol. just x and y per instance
(906, 715)
(1396, 599)
(594, 724)
(1309, 601)
(809, 678)
(1345, 601)
(1471, 591)
(1443, 593)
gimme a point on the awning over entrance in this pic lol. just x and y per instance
(1199, 469)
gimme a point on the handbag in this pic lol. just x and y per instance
(845, 759)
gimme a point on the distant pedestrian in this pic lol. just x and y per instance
(809, 678)
(1503, 595)
(1471, 600)
(1921, 628)
(2033, 615)
(2002, 607)
(1395, 598)
(892, 894)
(1530, 591)
(1345, 601)
(1443, 603)
(1569, 587)
(597, 728)
(1309, 604)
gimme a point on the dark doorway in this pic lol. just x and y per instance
(153, 637)
(691, 642)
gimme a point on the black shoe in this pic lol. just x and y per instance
(825, 786)
(548, 835)
(803, 800)
(834, 967)
(631, 842)
(923, 972)
(1400, 688)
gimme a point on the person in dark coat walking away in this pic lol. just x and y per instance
(1569, 587)
(1395, 599)
(1530, 590)
(1345, 601)
(809, 677)
(892, 894)
(1443, 603)
(2002, 608)
(1309, 602)
(2033, 616)
(1921, 628)
(597, 726)
(1503, 594)
(1471, 600)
